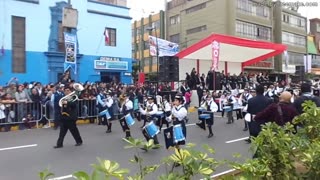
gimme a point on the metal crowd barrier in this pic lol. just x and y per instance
(87, 109)
(15, 112)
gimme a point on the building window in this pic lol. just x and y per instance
(18, 44)
(156, 24)
(154, 60)
(146, 45)
(138, 31)
(318, 27)
(136, 47)
(197, 29)
(294, 58)
(293, 20)
(196, 8)
(146, 61)
(253, 8)
(253, 31)
(293, 39)
(133, 33)
(175, 19)
(175, 38)
(112, 37)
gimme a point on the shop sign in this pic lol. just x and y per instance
(105, 58)
(112, 65)
(263, 64)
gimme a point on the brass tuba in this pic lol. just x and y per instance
(74, 95)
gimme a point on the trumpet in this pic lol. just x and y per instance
(72, 96)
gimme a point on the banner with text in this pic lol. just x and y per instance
(70, 62)
(215, 55)
(166, 48)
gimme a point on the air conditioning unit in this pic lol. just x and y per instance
(70, 17)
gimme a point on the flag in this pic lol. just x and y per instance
(106, 36)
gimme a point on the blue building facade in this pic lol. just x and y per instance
(32, 47)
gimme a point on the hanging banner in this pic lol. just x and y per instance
(141, 79)
(166, 48)
(70, 62)
(215, 55)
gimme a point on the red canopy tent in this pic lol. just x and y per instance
(234, 51)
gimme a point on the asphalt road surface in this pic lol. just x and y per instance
(25, 153)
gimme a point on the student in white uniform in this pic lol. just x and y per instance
(179, 114)
(167, 112)
(210, 107)
(230, 101)
(126, 108)
(150, 113)
(243, 101)
(109, 103)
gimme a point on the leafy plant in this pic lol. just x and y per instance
(308, 146)
(311, 160)
(273, 149)
(310, 121)
(193, 163)
(138, 144)
(105, 169)
(44, 175)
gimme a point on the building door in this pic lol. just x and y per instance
(109, 77)
(59, 76)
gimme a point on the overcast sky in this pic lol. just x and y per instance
(142, 8)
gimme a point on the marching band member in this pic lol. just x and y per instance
(221, 102)
(179, 114)
(68, 121)
(109, 103)
(143, 106)
(126, 108)
(210, 107)
(167, 112)
(230, 101)
(150, 113)
(243, 101)
(101, 106)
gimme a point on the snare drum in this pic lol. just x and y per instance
(201, 109)
(160, 114)
(129, 120)
(105, 113)
(227, 108)
(151, 129)
(178, 134)
(204, 116)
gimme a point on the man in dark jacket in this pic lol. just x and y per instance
(55, 98)
(69, 117)
(306, 95)
(280, 113)
(255, 105)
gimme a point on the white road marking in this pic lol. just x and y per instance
(191, 124)
(222, 173)
(62, 177)
(18, 147)
(236, 140)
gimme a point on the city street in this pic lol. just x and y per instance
(25, 153)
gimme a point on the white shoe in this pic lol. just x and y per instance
(46, 126)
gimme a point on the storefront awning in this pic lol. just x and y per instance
(233, 49)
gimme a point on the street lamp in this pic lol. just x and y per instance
(150, 29)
